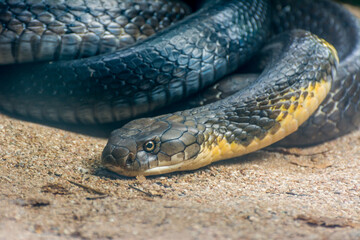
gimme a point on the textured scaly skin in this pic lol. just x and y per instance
(176, 63)
(67, 29)
(284, 96)
(340, 112)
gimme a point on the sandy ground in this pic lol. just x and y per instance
(53, 187)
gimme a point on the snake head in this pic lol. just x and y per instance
(150, 146)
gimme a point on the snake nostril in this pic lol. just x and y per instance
(130, 159)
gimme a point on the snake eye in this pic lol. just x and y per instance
(149, 146)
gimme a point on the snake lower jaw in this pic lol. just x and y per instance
(181, 166)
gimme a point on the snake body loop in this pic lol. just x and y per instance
(68, 29)
(175, 63)
(339, 113)
(218, 137)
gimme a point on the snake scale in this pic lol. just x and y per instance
(175, 63)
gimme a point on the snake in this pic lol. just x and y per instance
(175, 63)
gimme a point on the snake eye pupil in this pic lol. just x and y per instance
(149, 146)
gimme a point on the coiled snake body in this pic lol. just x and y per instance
(187, 57)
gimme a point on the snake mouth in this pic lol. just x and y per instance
(151, 171)
(122, 161)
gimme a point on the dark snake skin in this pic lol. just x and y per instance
(340, 112)
(67, 29)
(188, 57)
(174, 64)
